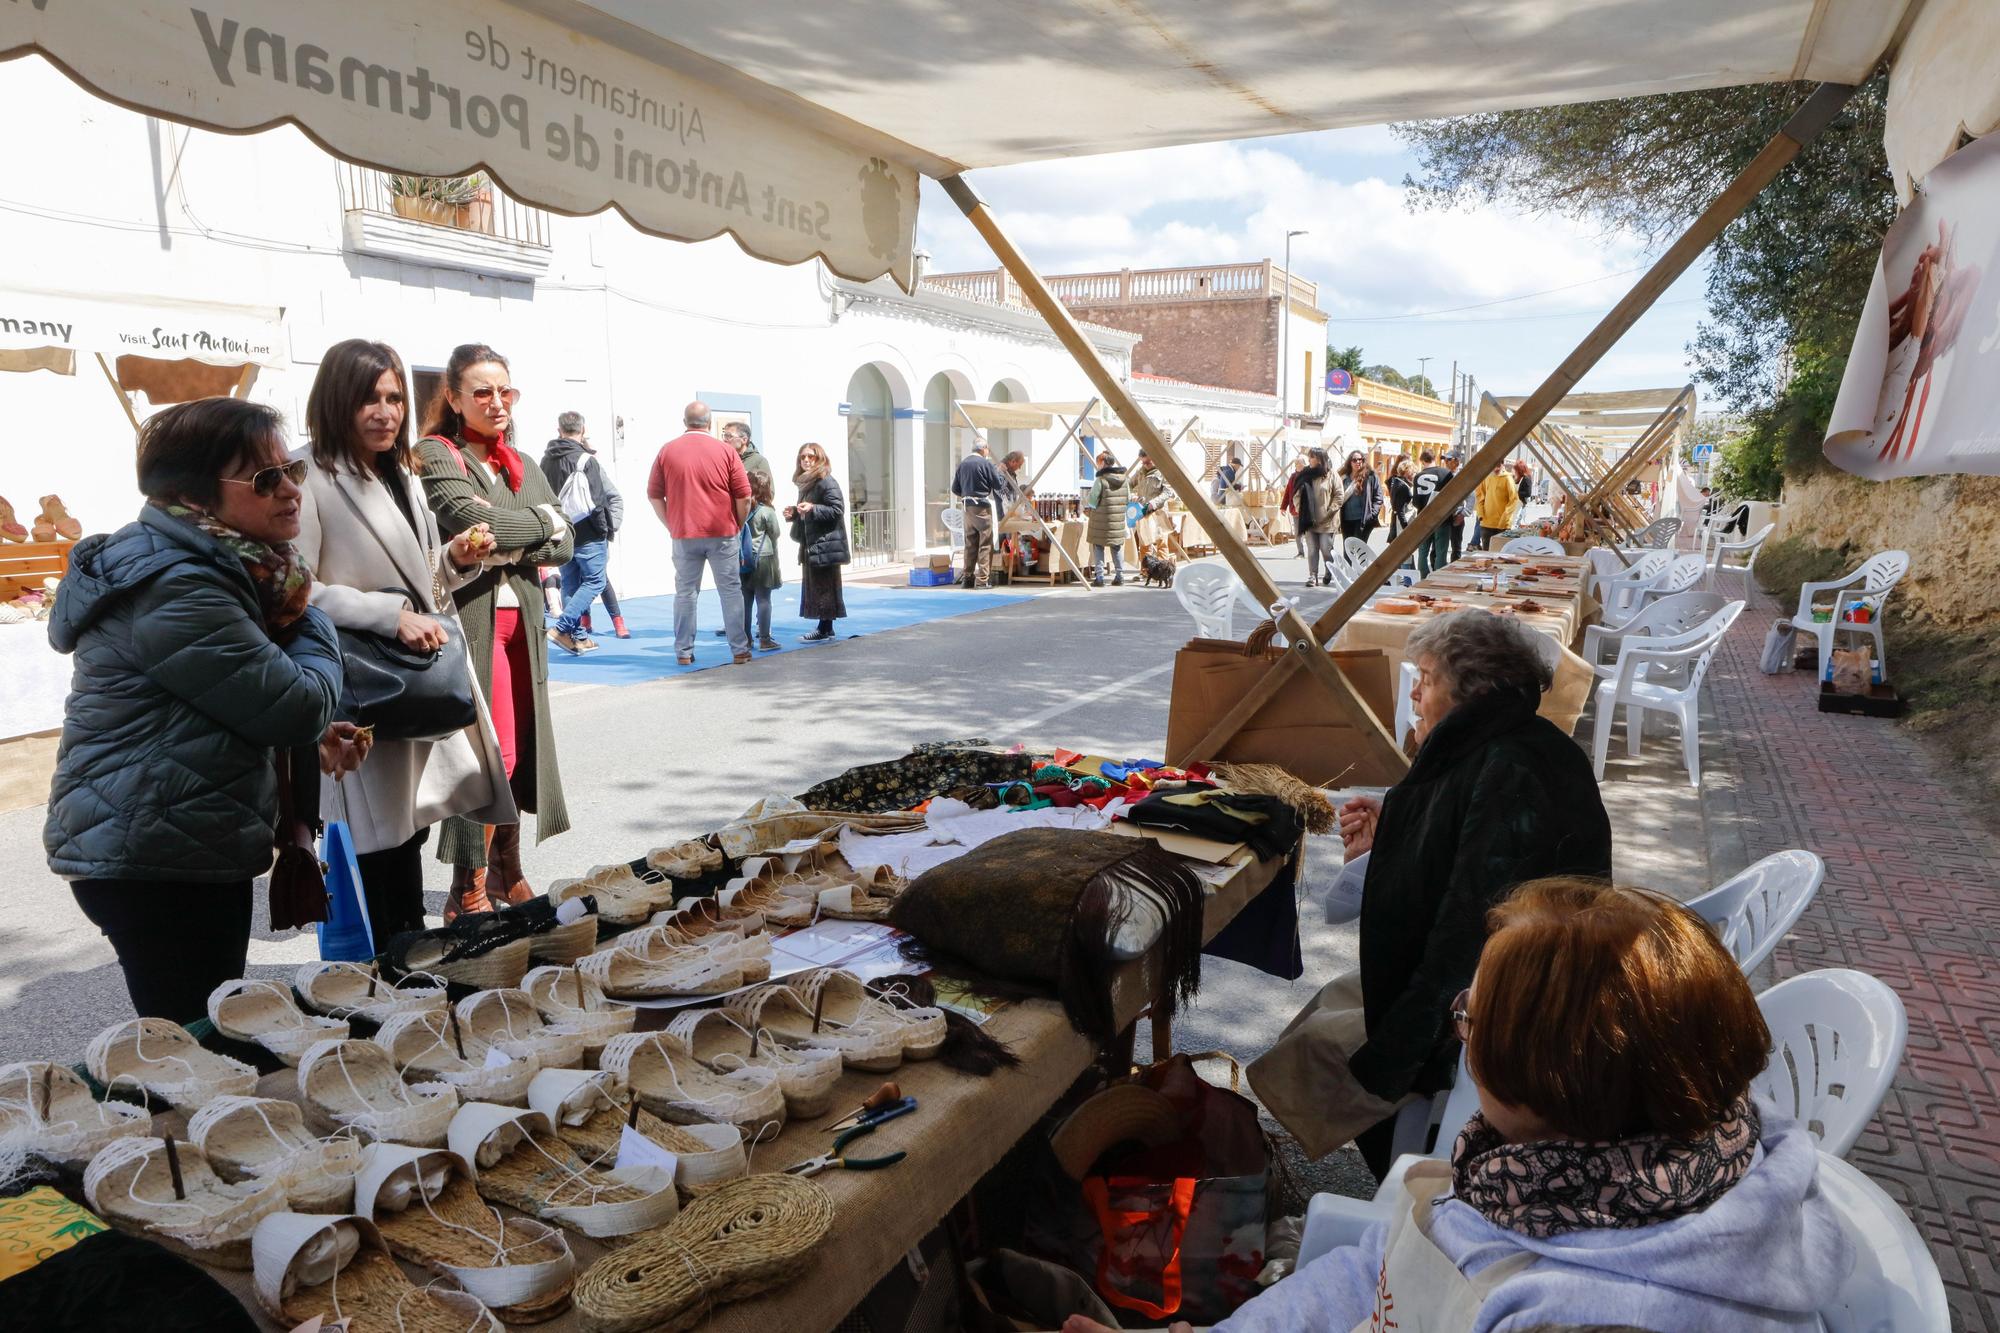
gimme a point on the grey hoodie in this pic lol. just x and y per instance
(1761, 1258)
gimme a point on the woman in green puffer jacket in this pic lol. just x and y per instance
(1105, 506)
(196, 657)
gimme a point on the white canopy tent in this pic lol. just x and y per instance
(785, 128)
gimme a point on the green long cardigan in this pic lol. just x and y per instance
(454, 494)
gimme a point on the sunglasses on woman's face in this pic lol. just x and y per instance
(264, 481)
(509, 395)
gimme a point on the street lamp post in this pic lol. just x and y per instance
(1285, 355)
(1423, 361)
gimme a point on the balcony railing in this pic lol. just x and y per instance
(1211, 282)
(487, 233)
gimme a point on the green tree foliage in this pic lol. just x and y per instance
(1388, 375)
(1344, 358)
(1786, 280)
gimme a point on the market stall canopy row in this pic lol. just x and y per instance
(693, 121)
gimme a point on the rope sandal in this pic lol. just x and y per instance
(590, 1110)
(265, 1138)
(665, 940)
(130, 1183)
(747, 1237)
(509, 1019)
(423, 1202)
(671, 1083)
(763, 894)
(337, 1269)
(565, 995)
(518, 1160)
(868, 897)
(47, 1109)
(624, 897)
(704, 916)
(719, 1040)
(347, 990)
(690, 858)
(788, 1016)
(625, 975)
(264, 1012)
(161, 1059)
(480, 963)
(842, 998)
(566, 941)
(424, 1046)
(355, 1084)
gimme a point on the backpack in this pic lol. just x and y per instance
(746, 548)
(576, 499)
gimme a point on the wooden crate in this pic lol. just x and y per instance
(23, 565)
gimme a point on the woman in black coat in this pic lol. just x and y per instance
(1496, 796)
(819, 525)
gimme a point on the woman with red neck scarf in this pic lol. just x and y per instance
(472, 474)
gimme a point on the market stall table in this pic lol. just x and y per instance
(1567, 609)
(963, 1126)
(1194, 539)
(1074, 534)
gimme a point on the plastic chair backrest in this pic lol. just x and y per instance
(1359, 554)
(1751, 544)
(1660, 532)
(1676, 613)
(1683, 573)
(1646, 568)
(1753, 910)
(1837, 1036)
(953, 519)
(1532, 546)
(1208, 593)
(1718, 625)
(1882, 572)
(1894, 1283)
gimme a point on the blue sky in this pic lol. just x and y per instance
(1506, 294)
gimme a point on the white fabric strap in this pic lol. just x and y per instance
(477, 1122)
(329, 1244)
(380, 1161)
(517, 1284)
(572, 1096)
(604, 1220)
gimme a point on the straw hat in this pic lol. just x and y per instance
(1129, 1111)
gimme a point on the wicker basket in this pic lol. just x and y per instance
(48, 1110)
(354, 1084)
(747, 1237)
(719, 1040)
(161, 1059)
(265, 1013)
(130, 1183)
(265, 1138)
(671, 1083)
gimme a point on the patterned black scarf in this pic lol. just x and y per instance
(1560, 1185)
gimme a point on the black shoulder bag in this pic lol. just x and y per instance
(405, 693)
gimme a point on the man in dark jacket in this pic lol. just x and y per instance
(1496, 796)
(1434, 552)
(577, 478)
(980, 486)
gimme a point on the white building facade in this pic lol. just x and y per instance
(593, 316)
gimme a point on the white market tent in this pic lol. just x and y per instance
(802, 130)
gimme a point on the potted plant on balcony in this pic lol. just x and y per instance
(476, 213)
(433, 199)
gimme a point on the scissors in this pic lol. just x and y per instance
(837, 1158)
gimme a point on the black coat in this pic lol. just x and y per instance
(822, 534)
(1496, 796)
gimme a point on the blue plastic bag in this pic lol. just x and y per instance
(346, 935)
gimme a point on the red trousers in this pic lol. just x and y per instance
(513, 697)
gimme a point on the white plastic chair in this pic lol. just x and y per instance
(1720, 561)
(1894, 1284)
(1659, 533)
(1533, 546)
(953, 519)
(1837, 1036)
(1359, 555)
(1406, 715)
(1669, 616)
(1753, 910)
(1209, 593)
(1725, 517)
(1683, 573)
(1622, 593)
(1647, 678)
(1874, 581)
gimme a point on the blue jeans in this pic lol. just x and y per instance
(757, 612)
(582, 584)
(720, 555)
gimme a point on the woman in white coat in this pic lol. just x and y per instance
(365, 529)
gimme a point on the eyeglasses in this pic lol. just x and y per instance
(1461, 1020)
(264, 481)
(509, 395)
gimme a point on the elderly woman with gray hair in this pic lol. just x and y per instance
(1496, 796)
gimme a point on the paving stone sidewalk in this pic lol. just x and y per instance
(1912, 895)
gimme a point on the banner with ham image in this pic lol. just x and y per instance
(1921, 395)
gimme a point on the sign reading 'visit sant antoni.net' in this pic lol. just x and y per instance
(165, 330)
(443, 87)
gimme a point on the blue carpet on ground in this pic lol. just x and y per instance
(649, 653)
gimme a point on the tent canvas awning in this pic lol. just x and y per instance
(156, 328)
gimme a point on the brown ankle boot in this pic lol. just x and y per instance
(468, 893)
(504, 859)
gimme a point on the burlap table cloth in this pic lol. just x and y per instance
(963, 1126)
(1563, 619)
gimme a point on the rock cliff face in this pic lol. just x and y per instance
(1949, 525)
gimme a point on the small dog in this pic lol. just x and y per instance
(1155, 567)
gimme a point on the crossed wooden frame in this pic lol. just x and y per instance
(1307, 640)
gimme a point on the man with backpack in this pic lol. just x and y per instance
(592, 508)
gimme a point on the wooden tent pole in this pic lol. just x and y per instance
(1305, 645)
(124, 399)
(1027, 493)
(1801, 129)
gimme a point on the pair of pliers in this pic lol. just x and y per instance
(837, 1158)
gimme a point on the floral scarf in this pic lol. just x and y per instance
(282, 577)
(1560, 1185)
(806, 476)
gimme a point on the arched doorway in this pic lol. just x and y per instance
(871, 466)
(947, 440)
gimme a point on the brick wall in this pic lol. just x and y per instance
(1230, 344)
